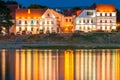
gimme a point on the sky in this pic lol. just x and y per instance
(68, 3)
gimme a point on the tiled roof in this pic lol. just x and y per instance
(30, 13)
(78, 12)
(105, 8)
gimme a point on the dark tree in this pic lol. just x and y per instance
(36, 6)
(5, 18)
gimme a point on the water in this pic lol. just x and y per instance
(48, 64)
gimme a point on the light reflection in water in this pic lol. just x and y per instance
(61, 65)
(3, 64)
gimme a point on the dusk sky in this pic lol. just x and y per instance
(68, 3)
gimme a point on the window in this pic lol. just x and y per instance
(32, 29)
(25, 29)
(105, 21)
(32, 22)
(43, 22)
(89, 13)
(100, 14)
(110, 21)
(105, 14)
(69, 20)
(52, 22)
(19, 21)
(20, 29)
(83, 21)
(66, 20)
(25, 22)
(79, 21)
(48, 15)
(37, 22)
(110, 14)
(100, 21)
(47, 22)
(87, 21)
(91, 21)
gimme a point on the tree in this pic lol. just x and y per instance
(76, 8)
(5, 18)
(36, 6)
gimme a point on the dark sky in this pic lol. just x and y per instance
(68, 3)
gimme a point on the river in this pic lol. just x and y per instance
(54, 64)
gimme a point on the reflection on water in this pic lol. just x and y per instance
(80, 64)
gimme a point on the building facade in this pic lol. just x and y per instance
(100, 17)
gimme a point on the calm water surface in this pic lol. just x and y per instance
(48, 64)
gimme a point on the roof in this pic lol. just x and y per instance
(78, 12)
(105, 8)
(13, 9)
(68, 12)
(30, 13)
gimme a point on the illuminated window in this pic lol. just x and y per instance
(19, 21)
(25, 22)
(105, 14)
(32, 22)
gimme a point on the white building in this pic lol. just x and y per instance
(99, 17)
(35, 20)
(106, 17)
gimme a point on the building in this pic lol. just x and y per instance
(69, 16)
(97, 17)
(106, 17)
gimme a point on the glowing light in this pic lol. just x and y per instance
(3, 64)
(28, 11)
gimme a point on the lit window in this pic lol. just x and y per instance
(25, 22)
(32, 22)
(19, 21)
